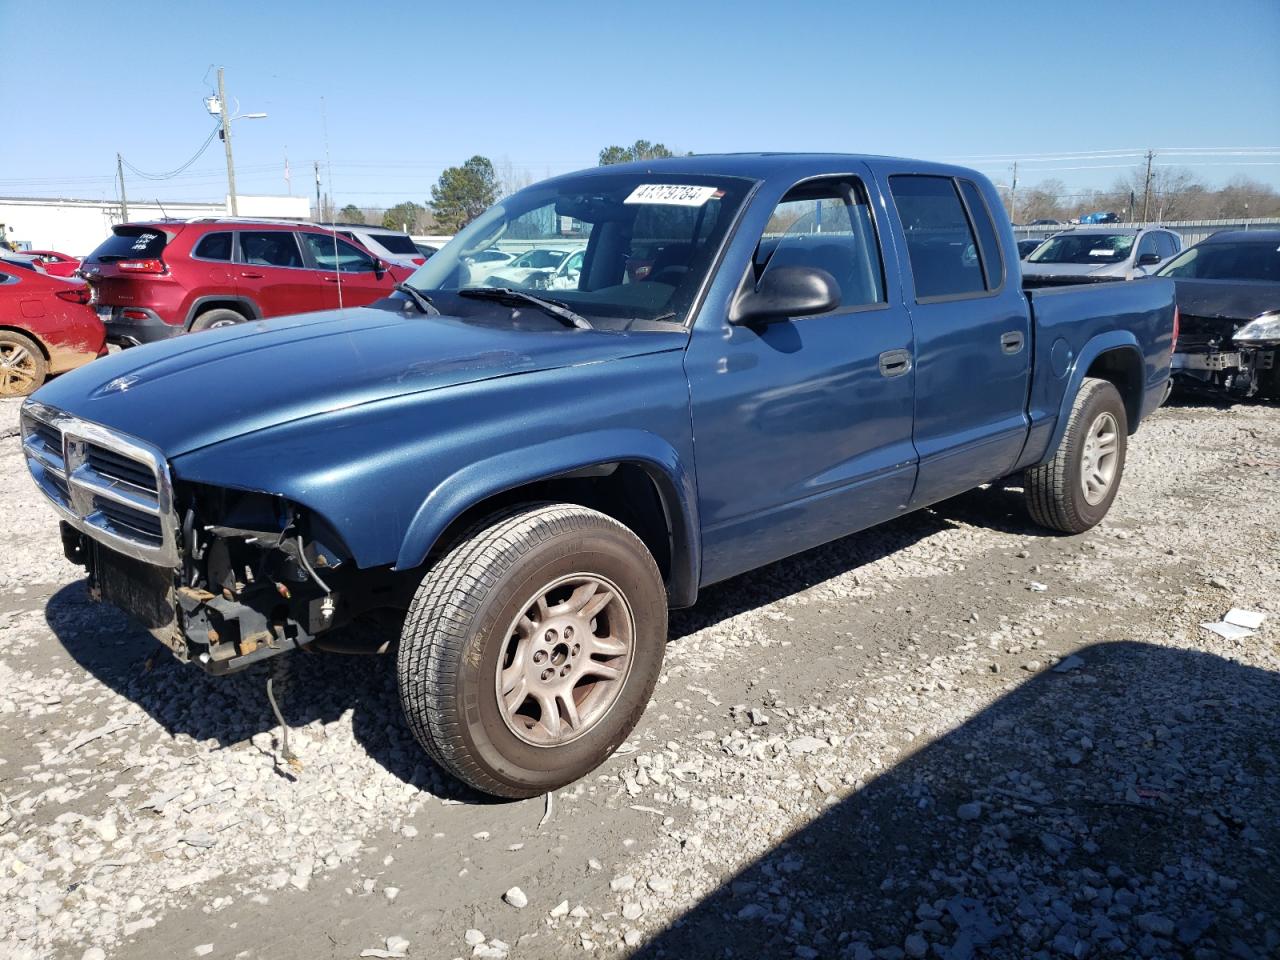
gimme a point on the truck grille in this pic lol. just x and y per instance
(109, 486)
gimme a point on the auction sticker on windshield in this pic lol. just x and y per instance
(672, 194)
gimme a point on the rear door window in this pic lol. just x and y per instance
(270, 248)
(131, 243)
(215, 246)
(940, 242)
(988, 245)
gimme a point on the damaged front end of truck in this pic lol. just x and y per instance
(222, 577)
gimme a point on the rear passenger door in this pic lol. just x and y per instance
(272, 273)
(972, 329)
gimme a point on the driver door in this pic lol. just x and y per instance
(802, 427)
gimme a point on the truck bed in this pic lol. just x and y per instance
(1070, 325)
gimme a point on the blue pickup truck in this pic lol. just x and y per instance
(759, 353)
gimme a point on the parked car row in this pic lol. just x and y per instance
(152, 281)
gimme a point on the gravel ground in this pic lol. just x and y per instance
(952, 736)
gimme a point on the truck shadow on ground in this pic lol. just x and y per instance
(319, 688)
(1123, 808)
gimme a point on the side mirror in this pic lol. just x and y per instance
(787, 292)
(379, 266)
(1149, 259)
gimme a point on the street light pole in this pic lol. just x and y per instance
(225, 116)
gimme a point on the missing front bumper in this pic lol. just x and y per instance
(219, 633)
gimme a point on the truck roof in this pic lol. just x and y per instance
(763, 166)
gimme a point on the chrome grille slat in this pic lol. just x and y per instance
(112, 487)
(107, 489)
(115, 467)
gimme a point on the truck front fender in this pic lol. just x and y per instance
(522, 466)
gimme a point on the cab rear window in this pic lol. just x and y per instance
(131, 243)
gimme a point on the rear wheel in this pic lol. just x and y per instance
(1074, 490)
(532, 647)
(213, 319)
(23, 367)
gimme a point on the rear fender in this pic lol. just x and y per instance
(545, 461)
(1094, 348)
(233, 302)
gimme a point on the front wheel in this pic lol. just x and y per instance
(531, 648)
(1074, 490)
(23, 367)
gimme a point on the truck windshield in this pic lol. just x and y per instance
(1247, 260)
(1084, 248)
(630, 246)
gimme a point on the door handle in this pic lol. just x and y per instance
(894, 363)
(1011, 342)
(329, 279)
(250, 275)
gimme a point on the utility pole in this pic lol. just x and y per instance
(1013, 194)
(124, 201)
(319, 212)
(1146, 190)
(225, 116)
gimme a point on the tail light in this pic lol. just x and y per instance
(133, 314)
(74, 295)
(1177, 324)
(419, 260)
(141, 266)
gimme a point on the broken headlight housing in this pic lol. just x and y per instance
(1261, 329)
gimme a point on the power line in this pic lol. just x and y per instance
(177, 170)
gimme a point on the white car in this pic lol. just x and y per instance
(541, 268)
(484, 262)
(389, 245)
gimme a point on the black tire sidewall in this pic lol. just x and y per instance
(1103, 398)
(523, 767)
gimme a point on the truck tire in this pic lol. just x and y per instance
(1074, 490)
(220, 317)
(23, 367)
(531, 648)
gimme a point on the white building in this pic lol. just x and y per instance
(78, 226)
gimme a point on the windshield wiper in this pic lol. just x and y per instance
(420, 300)
(510, 297)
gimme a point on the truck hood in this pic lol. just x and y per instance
(200, 389)
(1231, 299)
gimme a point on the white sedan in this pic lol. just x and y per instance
(484, 262)
(542, 269)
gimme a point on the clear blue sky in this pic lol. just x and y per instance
(410, 88)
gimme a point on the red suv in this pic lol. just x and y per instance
(155, 280)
